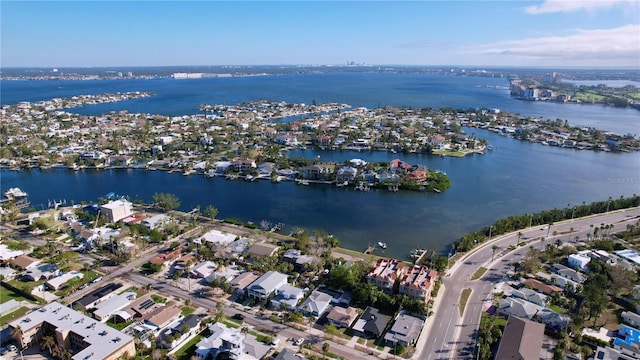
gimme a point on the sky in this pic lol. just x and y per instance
(561, 33)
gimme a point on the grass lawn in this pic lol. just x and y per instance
(157, 298)
(478, 274)
(464, 297)
(14, 315)
(557, 309)
(450, 153)
(26, 286)
(6, 295)
(356, 254)
(188, 349)
(186, 310)
(119, 325)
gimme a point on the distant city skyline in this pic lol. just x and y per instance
(547, 33)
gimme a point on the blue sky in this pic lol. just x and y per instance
(158, 33)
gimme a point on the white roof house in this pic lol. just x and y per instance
(316, 304)
(112, 306)
(155, 221)
(59, 281)
(266, 284)
(7, 254)
(117, 210)
(204, 269)
(630, 255)
(579, 260)
(232, 341)
(216, 237)
(287, 296)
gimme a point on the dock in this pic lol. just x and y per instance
(369, 250)
(418, 255)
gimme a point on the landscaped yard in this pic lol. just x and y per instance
(7, 294)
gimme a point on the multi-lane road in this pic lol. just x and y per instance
(450, 335)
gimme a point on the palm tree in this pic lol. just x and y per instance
(48, 342)
(519, 236)
(494, 248)
(325, 349)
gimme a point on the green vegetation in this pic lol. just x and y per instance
(188, 349)
(464, 297)
(478, 274)
(186, 310)
(543, 218)
(489, 334)
(158, 299)
(119, 325)
(165, 201)
(7, 294)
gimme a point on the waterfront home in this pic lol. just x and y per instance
(386, 274)
(155, 221)
(229, 343)
(521, 339)
(58, 282)
(243, 165)
(262, 249)
(346, 174)
(267, 284)
(117, 210)
(405, 330)
(315, 304)
(295, 257)
(90, 300)
(342, 317)
(215, 237)
(397, 165)
(371, 323)
(417, 283)
(72, 330)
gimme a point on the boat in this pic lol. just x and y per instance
(490, 147)
(17, 197)
(382, 245)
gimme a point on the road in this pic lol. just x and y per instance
(451, 335)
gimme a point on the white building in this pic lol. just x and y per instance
(113, 306)
(287, 296)
(266, 284)
(61, 280)
(579, 260)
(117, 210)
(204, 269)
(216, 237)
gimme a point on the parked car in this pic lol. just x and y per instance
(238, 316)
(3, 351)
(299, 342)
(97, 279)
(11, 347)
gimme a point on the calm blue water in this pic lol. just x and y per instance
(180, 97)
(515, 178)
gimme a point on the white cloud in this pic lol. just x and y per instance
(615, 47)
(554, 6)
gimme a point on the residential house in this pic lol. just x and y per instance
(243, 165)
(312, 172)
(25, 262)
(405, 330)
(579, 260)
(530, 295)
(8, 254)
(155, 221)
(183, 329)
(216, 237)
(518, 307)
(241, 282)
(86, 337)
(116, 210)
(228, 343)
(627, 343)
(288, 354)
(553, 321)
(371, 323)
(417, 282)
(346, 174)
(541, 287)
(630, 318)
(162, 316)
(266, 285)
(342, 317)
(386, 274)
(167, 257)
(521, 339)
(113, 306)
(41, 272)
(58, 282)
(7, 273)
(287, 296)
(203, 269)
(138, 308)
(299, 260)
(89, 301)
(316, 304)
(262, 249)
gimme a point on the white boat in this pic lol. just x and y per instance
(382, 245)
(15, 193)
